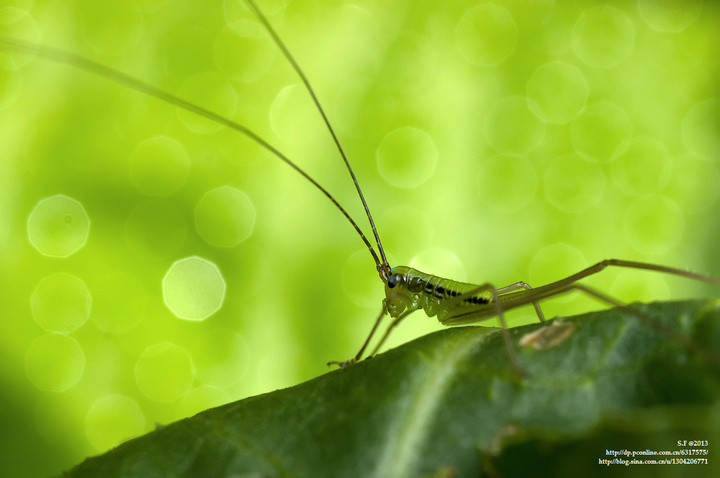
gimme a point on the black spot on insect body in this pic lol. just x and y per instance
(429, 288)
(477, 300)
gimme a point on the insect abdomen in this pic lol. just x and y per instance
(436, 291)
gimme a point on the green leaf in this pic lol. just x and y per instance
(449, 404)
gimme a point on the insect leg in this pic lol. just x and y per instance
(706, 353)
(510, 288)
(511, 300)
(392, 325)
(526, 286)
(358, 356)
(456, 316)
(506, 333)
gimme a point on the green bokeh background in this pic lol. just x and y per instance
(479, 162)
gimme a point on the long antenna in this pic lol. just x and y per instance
(77, 61)
(286, 53)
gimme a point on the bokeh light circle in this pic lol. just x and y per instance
(543, 88)
(573, 184)
(250, 38)
(220, 357)
(159, 166)
(215, 93)
(407, 157)
(193, 288)
(552, 262)
(163, 372)
(602, 131)
(510, 126)
(286, 109)
(225, 216)
(61, 303)
(603, 36)
(58, 226)
(644, 168)
(54, 362)
(701, 129)
(507, 183)
(653, 224)
(113, 419)
(670, 16)
(440, 262)
(357, 285)
(486, 34)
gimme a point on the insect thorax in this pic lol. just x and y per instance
(411, 289)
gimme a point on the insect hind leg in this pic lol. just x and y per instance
(495, 294)
(706, 353)
(523, 286)
(492, 309)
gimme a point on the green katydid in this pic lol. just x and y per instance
(406, 289)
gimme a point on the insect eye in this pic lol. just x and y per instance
(393, 280)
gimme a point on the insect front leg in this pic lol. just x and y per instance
(392, 325)
(358, 356)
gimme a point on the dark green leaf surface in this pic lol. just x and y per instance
(448, 404)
